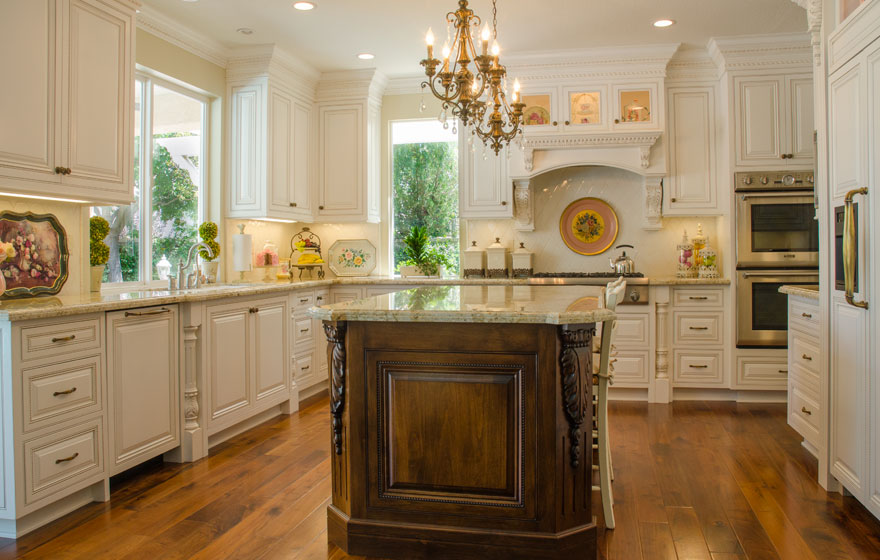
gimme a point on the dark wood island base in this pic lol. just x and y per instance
(461, 440)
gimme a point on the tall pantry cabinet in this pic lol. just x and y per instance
(853, 165)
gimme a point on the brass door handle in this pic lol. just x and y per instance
(147, 313)
(66, 459)
(293, 204)
(673, 199)
(67, 392)
(807, 315)
(303, 300)
(849, 248)
(698, 297)
(320, 298)
(567, 123)
(555, 123)
(699, 366)
(59, 170)
(699, 328)
(808, 358)
(805, 411)
(64, 338)
(304, 330)
(254, 310)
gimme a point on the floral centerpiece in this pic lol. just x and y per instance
(99, 252)
(208, 232)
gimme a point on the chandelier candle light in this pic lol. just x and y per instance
(478, 98)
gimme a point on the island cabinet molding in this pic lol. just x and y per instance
(455, 440)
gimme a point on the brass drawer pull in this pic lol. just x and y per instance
(303, 300)
(807, 315)
(67, 392)
(808, 358)
(147, 313)
(305, 367)
(66, 459)
(785, 371)
(254, 310)
(699, 366)
(699, 328)
(304, 330)
(698, 297)
(293, 204)
(805, 411)
(320, 298)
(67, 338)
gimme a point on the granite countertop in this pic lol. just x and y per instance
(805, 291)
(59, 306)
(553, 305)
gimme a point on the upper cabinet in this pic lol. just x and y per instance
(691, 183)
(66, 126)
(774, 120)
(484, 188)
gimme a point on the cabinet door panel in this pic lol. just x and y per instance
(143, 386)
(98, 90)
(800, 114)
(300, 188)
(342, 161)
(246, 176)
(270, 350)
(692, 147)
(280, 151)
(846, 134)
(873, 96)
(485, 189)
(27, 104)
(229, 359)
(759, 123)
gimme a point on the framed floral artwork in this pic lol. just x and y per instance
(538, 109)
(352, 257)
(635, 106)
(35, 259)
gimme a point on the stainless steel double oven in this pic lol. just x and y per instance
(777, 242)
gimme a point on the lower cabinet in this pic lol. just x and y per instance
(143, 384)
(246, 343)
(806, 372)
(698, 338)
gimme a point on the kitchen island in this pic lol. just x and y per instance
(461, 422)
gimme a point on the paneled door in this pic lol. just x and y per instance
(143, 384)
(759, 122)
(270, 334)
(342, 157)
(229, 361)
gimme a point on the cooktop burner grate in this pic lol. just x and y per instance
(586, 275)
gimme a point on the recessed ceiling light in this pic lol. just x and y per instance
(190, 0)
(664, 22)
(366, 56)
(304, 6)
(245, 30)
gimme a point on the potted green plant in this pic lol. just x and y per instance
(423, 258)
(208, 232)
(99, 252)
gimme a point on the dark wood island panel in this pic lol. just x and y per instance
(461, 440)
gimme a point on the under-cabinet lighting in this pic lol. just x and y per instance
(38, 197)
(664, 22)
(279, 220)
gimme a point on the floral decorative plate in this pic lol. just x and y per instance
(35, 254)
(352, 257)
(588, 226)
(536, 115)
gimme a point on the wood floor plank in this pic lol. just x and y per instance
(686, 534)
(656, 541)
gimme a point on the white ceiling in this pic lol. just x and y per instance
(330, 36)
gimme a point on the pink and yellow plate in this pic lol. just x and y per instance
(588, 226)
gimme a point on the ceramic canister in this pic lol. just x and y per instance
(473, 262)
(496, 258)
(523, 262)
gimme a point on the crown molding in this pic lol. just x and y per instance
(690, 64)
(405, 84)
(171, 31)
(268, 60)
(637, 62)
(761, 51)
(344, 85)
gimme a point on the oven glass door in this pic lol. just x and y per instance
(762, 312)
(776, 229)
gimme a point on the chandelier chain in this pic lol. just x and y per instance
(494, 20)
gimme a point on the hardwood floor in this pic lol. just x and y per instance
(693, 480)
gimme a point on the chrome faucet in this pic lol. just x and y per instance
(194, 279)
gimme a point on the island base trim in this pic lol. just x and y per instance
(388, 539)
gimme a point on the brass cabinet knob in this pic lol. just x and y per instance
(503, 203)
(59, 170)
(555, 123)
(293, 204)
(616, 121)
(673, 199)
(320, 207)
(567, 123)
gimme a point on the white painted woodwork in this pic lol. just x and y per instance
(61, 391)
(805, 316)
(632, 330)
(63, 461)
(143, 384)
(799, 118)
(846, 130)
(804, 352)
(762, 372)
(270, 332)
(303, 331)
(567, 123)
(698, 297)
(343, 178)
(698, 368)
(305, 372)
(484, 188)
(302, 300)
(631, 368)
(872, 65)
(555, 124)
(692, 188)
(655, 105)
(300, 188)
(247, 146)
(803, 414)
(44, 340)
(72, 63)
(340, 294)
(691, 327)
(229, 360)
(281, 151)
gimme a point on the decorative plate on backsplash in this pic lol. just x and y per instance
(588, 226)
(35, 254)
(352, 257)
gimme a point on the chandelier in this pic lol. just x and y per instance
(478, 97)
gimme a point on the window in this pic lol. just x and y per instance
(425, 188)
(168, 161)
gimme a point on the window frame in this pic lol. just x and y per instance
(147, 80)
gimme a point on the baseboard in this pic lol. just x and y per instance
(686, 394)
(628, 394)
(310, 394)
(244, 426)
(14, 528)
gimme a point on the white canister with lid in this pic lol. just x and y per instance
(523, 262)
(496, 258)
(473, 262)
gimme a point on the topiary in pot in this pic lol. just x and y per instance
(208, 232)
(99, 252)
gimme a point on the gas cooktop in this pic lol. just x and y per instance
(636, 283)
(586, 275)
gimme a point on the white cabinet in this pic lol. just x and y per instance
(698, 337)
(143, 383)
(774, 120)
(692, 185)
(270, 147)
(66, 126)
(485, 191)
(306, 336)
(806, 372)
(246, 359)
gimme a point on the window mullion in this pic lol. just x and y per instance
(146, 248)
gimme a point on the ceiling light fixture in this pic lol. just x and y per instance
(245, 30)
(664, 22)
(304, 6)
(478, 98)
(366, 56)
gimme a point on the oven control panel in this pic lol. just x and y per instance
(773, 180)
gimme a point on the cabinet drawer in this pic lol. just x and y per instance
(698, 297)
(61, 391)
(806, 380)
(304, 365)
(43, 341)
(804, 316)
(301, 301)
(631, 330)
(631, 369)
(762, 373)
(339, 295)
(698, 368)
(303, 331)
(804, 351)
(322, 297)
(803, 414)
(64, 460)
(693, 327)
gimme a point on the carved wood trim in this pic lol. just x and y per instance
(336, 348)
(575, 361)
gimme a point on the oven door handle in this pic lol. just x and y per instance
(749, 274)
(849, 248)
(792, 194)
